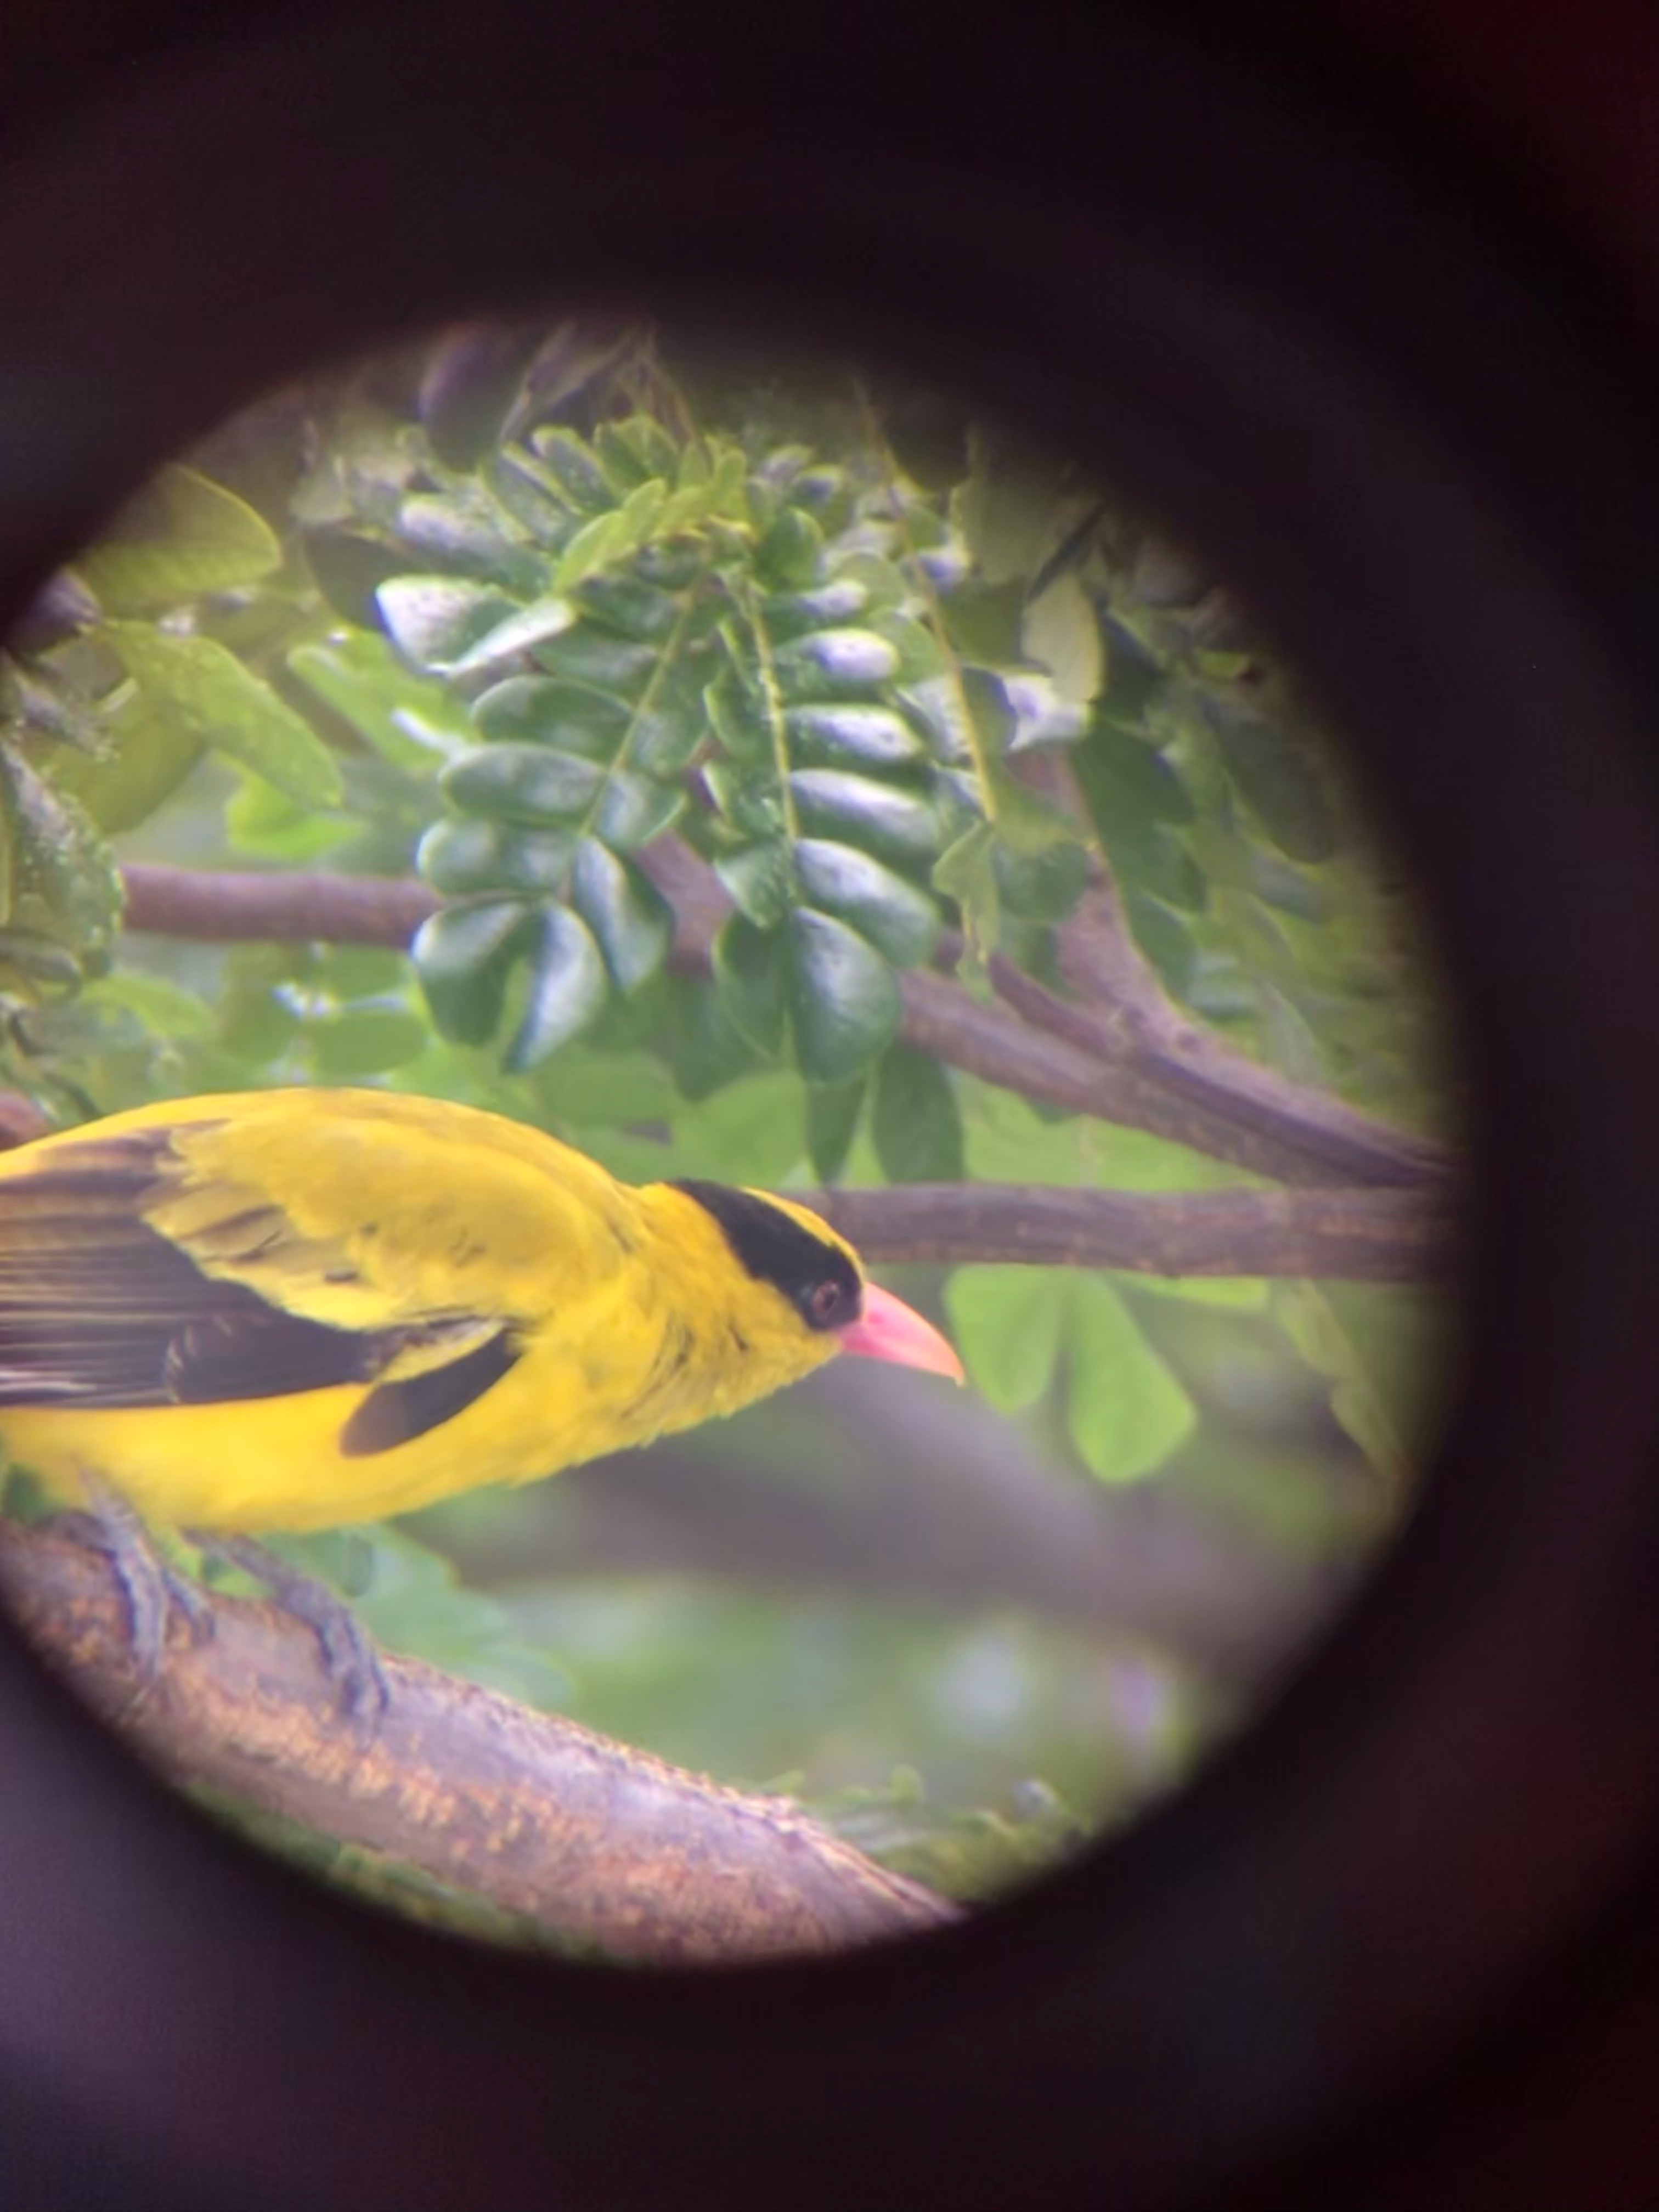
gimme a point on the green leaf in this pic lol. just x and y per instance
(633, 809)
(1028, 823)
(1134, 676)
(1060, 630)
(707, 1049)
(664, 744)
(852, 810)
(936, 705)
(596, 1085)
(1127, 1413)
(463, 954)
(830, 607)
(1379, 1349)
(141, 761)
(462, 858)
(788, 555)
(568, 987)
(362, 971)
(966, 870)
(853, 736)
(737, 713)
(831, 664)
(1042, 715)
(729, 486)
(41, 960)
(843, 998)
(1043, 886)
(164, 1008)
(1165, 866)
(1164, 938)
(577, 469)
(620, 459)
(436, 621)
(209, 693)
(1006, 507)
(967, 873)
(824, 492)
(545, 710)
(348, 568)
(632, 921)
(365, 1041)
(586, 655)
(750, 974)
(449, 533)
(760, 879)
(1290, 1037)
(627, 603)
(532, 625)
(531, 494)
(752, 805)
(1278, 775)
(266, 823)
(897, 918)
(64, 882)
(182, 537)
(410, 721)
(1007, 1324)
(917, 1122)
(654, 452)
(832, 1121)
(1129, 786)
(922, 658)
(522, 783)
(983, 619)
(606, 539)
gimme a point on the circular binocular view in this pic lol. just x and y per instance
(740, 935)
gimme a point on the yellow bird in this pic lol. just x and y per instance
(291, 1309)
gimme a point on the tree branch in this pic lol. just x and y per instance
(1359, 1236)
(221, 906)
(591, 1839)
(1122, 1010)
(1138, 1062)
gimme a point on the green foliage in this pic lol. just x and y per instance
(1015, 1327)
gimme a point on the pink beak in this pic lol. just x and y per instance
(888, 1329)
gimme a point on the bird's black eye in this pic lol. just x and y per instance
(825, 1304)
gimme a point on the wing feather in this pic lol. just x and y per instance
(127, 1279)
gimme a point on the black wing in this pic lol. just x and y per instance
(100, 1309)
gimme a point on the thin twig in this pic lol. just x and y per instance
(590, 1838)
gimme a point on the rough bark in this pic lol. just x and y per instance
(595, 1841)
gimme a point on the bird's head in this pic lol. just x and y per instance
(803, 1291)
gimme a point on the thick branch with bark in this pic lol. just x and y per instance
(1356, 1235)
(593, 1840)
(1121, 1053)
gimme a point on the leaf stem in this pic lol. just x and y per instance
(749, 600)
(646, 701)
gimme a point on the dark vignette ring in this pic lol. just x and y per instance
(1411, 451)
